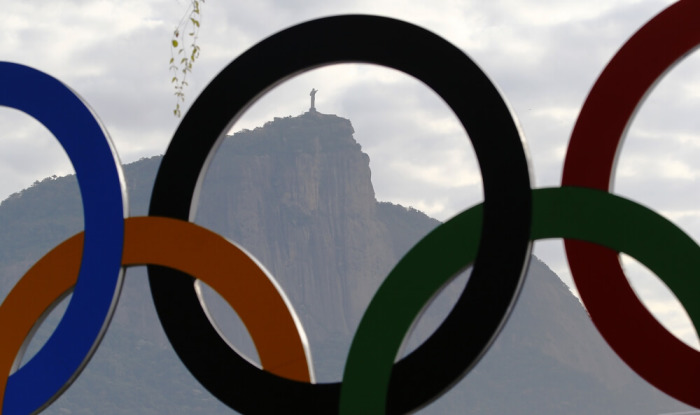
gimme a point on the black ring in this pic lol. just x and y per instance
(504, 248)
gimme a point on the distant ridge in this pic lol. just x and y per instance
(297, 194)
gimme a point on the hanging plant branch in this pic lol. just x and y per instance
(184, 51)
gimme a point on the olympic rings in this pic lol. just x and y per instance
(495, 236)
(664, 360)
(151, 240)
(565, 212)
(504, 247)
(100, 278)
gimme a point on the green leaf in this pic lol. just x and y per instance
(187, 59)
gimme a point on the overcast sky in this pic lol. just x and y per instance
(543, 54)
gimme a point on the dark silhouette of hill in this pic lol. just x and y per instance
(297, 194)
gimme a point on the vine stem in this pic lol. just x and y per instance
(184, 51)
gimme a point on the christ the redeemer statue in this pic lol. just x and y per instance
(313, 99)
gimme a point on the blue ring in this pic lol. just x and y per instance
(58, 363)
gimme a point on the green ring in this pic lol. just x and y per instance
(565, 212)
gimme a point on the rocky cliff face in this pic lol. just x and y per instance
(288, 181)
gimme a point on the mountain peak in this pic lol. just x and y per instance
(305, 179)
(296, 194)
(296, 133)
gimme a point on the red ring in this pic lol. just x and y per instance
(628, 327)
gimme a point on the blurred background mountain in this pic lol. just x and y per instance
(297, 194)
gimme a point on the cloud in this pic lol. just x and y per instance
(28, 152)
(660, 301)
